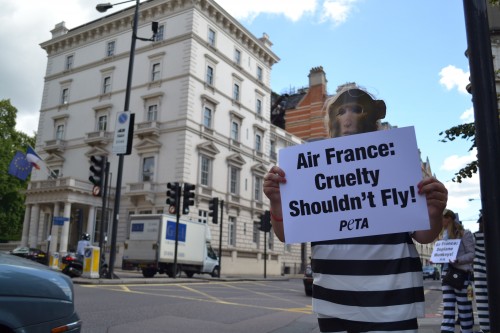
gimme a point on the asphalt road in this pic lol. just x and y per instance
(232, 305)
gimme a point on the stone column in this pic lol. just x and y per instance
(91, 223)
(63, 245)
(55, 230)
(26, 225)
(33, 233)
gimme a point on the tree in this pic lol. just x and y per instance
(11, 188)
(467, 132)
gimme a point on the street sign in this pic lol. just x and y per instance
(96, 191)
(59, 220)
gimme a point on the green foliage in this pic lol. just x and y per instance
(11, 188)
(467, 132)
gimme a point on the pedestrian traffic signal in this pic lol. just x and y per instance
(173, 195)
(98, 171)
(213, 209)
(188, 196)
(265, 222)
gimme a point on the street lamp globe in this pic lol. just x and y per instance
(102, 7)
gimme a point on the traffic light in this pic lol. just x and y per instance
(188, 197)
(98, 170)
(213, 207)
(173, 196)
(265, 222)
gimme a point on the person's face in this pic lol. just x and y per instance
(446, 221)
(348, 118)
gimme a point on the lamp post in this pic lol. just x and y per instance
(112, 252)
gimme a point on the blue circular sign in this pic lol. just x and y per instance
(123, 118)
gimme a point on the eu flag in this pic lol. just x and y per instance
(20, 167)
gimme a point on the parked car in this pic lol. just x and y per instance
(31, 253)
(431, 272)
(34, 298)
(308, 280)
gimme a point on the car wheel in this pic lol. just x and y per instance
(148, 272)
(215, 272)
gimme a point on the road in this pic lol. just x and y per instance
(213, 306)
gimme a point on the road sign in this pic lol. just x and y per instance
(96, 191)
(59, 220)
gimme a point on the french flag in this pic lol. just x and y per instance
(33, 158)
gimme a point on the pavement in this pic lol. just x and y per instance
(430, 324)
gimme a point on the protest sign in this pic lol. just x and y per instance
(445, 251)
(352, 186)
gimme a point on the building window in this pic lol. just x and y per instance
(234, 181)
(159, 34)
(259, 73)
(110, 49)
(153, 112)
(258, 189)
(106, 85)
(207, 117)
(236, 92)
(202, 216)
(148, 164)
(235, 130)
(69, 62)
(258, 142)
(205, 170)
(258, 106)
(102, 123)
(65, 96)
(231, 229)
(211, 37)
(155, 72)
(270, 241)
(59, 132)
(210, 75)
(237, 56)
(273, 154)
(256, 233)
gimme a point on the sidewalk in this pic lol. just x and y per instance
(430, 324)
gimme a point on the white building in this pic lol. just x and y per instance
(201, 98)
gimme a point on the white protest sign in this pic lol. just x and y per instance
(352, 186)
(445, 250)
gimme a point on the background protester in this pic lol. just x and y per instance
(457, 296)
(480, 281)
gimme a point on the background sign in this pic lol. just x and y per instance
(171, 231)
(59, 220)
(445, 251)
(122, 141)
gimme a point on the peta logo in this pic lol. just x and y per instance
(354, 224)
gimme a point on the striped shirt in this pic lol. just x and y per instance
(375, 279)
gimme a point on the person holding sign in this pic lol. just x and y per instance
(452, 295)
(370, 283)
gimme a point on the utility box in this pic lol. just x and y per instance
(91, 262)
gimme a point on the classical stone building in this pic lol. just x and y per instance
(201, 97)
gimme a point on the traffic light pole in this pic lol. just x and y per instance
(220, 236)
(103, 213)
(118, 190)
(177, 218)
(265, 255)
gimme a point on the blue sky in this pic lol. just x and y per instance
(409, 53)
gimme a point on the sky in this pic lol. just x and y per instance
(408, 53)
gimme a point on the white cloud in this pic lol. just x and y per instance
(463, 199)
(452, 77)
(337, 10)
(467, 116)
(455, 162)
(294, 10)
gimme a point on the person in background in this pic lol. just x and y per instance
(372, 283)
(480, 281)
(82, 244)
(451, 296)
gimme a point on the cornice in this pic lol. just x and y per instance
(149, 10)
